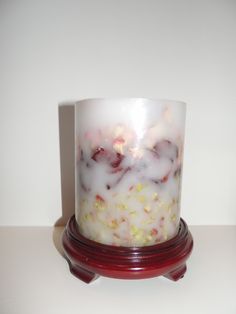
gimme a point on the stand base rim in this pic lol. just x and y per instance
(88, 259)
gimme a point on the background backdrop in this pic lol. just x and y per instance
(55, 52)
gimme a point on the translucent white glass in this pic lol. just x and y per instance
(129, 154)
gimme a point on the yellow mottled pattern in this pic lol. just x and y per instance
(139, 187)
(134, 224)
(122, 206)
(99, 205)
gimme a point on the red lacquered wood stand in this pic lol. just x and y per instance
(88, 259)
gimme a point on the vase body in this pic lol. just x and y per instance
(129, 155)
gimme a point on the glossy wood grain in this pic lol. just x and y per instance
(88, 259)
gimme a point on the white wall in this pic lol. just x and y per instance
(58, 51)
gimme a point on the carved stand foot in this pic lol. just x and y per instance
(177, 273)
(82, 273)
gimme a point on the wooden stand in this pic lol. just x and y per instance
(88, 259)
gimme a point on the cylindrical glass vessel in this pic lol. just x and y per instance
(129, 154)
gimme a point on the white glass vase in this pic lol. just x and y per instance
(129, 154)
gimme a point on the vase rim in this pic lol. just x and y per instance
(123, 99)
